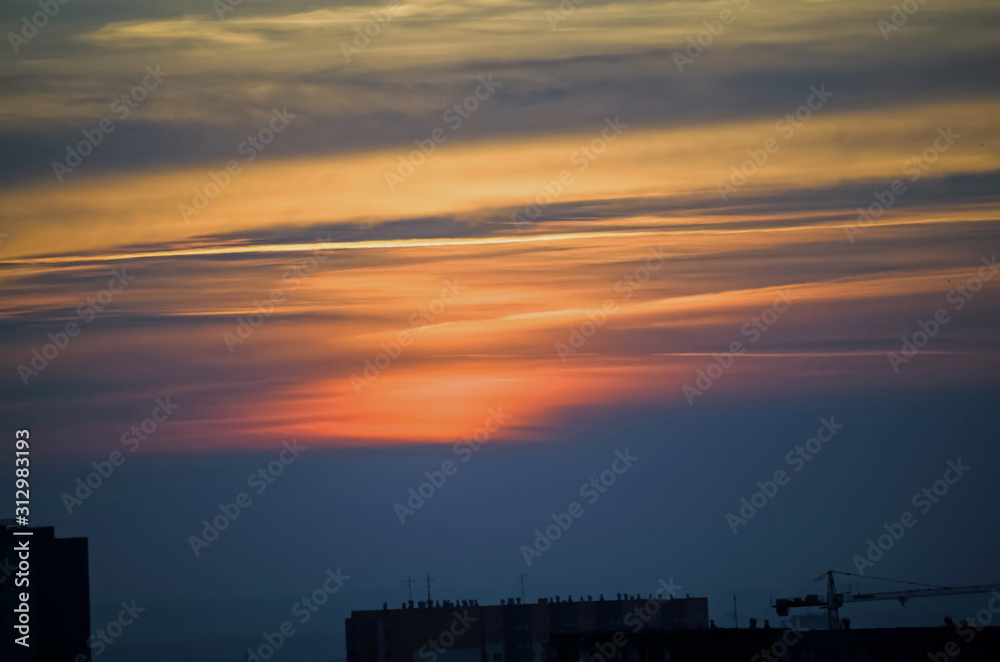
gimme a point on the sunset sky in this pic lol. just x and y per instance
(279, 199)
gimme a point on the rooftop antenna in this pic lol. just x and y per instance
(409, 587)
(522, 586)
(428, 588)
(736, 618)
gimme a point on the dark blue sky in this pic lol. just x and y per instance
(664, 517)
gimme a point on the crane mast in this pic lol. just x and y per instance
(834, 599)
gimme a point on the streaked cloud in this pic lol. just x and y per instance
(321, 186)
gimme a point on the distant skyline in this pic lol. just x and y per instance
(321, 255)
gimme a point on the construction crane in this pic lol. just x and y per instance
(834, 600)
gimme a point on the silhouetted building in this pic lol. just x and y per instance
(937, 644)
(58, 592)
(509, 632)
